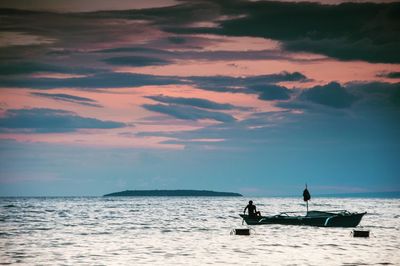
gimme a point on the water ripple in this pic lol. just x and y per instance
(182, 231)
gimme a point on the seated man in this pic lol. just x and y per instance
(252, 209)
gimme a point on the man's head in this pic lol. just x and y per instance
(250, 202)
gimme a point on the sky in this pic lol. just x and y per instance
(255, 97)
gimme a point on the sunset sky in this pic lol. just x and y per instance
(255, 97)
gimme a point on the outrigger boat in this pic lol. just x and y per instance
(339, 218)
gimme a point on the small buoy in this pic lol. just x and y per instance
(241, 232)
(360, 233)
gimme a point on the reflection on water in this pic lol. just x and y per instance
(196, 231)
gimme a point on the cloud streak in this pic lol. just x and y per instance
(188, 112)
(242, 84)
(118, 80)
(29, 67)
(68, 98)
(196, 102)
(45, 120)
(99, 80)
(137, 61)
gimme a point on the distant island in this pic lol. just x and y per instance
(172, 193)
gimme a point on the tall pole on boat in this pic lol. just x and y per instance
(306, 196)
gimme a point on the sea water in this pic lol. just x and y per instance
(189, 231)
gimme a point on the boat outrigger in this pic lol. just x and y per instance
(339, 218)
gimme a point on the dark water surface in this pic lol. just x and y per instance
(188, 231)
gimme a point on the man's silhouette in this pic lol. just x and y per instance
(252, 209)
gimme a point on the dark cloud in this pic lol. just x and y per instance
(136, 49)
(99, 80)
(193, 49)
(270, 92)
(21, 52)
(68, 6)
(16, 68)
(81, 37)
(254, 130)
(344, 49)
(391, 75)
(136, 61)
(68, 98)
(177, 15)
(322, 118)
(287, 130)
(27, 67)
(348, 31)
(168, 56)
(366, 96)
(117, 80)
(44, 120)
(176, 40)
(188, 112)
(196, 102)
(64, 42)
(232, 55)
(241, 84)
(332, 95)
(73, 30)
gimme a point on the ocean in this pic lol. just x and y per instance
(189, 231)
